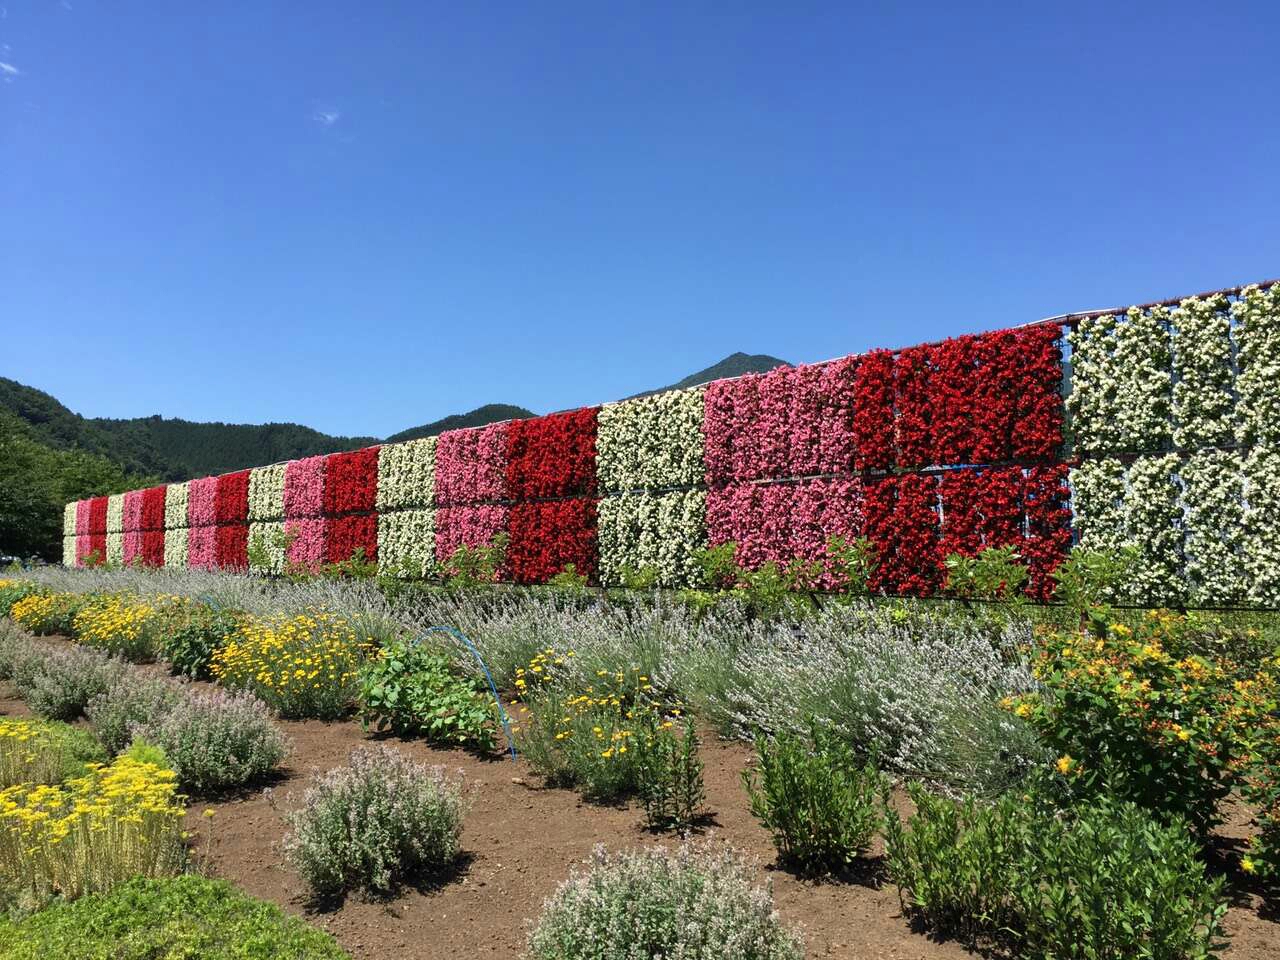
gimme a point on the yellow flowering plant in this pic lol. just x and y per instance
(43, 751)
(45, 612)
(11, 591)
(306, 665)
(1131, 713)
(595, 737)
(124, 624)
(92, 832)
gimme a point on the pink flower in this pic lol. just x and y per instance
(471, 465)
(309, 540)
(202, 542)
(132, 513)
(473, 526)
(202, 496)
(304, 487)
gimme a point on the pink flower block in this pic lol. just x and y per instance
(202, 545)
(82, 519)
(472, 526)
(471, 465)
(821, 509)
(730, 440)
(84, 543)
(202, 497)
(132, 514)
(309, 540)
(132, 542)
(833, 412)
(304, 487)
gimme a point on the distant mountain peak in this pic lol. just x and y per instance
(734, 365)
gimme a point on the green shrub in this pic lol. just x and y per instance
(696, 903)
(45, 613)
(130, 702)
(818, 801)
(58, 683)
(185, 917)
(412, 691)
(1105, 879)
(954, 860)
(192, 633)
(671, 777)
(11, 591)
(375, 824)
(996, 573)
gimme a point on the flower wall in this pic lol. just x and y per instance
(1168, 439)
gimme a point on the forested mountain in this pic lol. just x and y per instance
(50, 455)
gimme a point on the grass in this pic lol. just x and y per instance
(186, 917)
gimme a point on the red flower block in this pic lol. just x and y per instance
(913, 424)
(548, 535)
(1017, 401)
(231, 498)
(232, 546)
(552, 456)
(961, 519)
(902, 522)
(98, 519)
(873, 412)
(153, 510)
(1047, 500)
(951, 399)
(346, 535)
(351, 482)
(153, 546)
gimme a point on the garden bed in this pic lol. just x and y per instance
(521, 841)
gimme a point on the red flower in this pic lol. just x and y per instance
(902, 522)
(231, 501)
(98, 519)
(961, 521)
(999, 492)
(1046, 497)
(232, 545)
(1017, 401)
(344, 535)
(545, 536)
(951, 400)
(153, 544)
(350, 483)
(873, 411)
(552, 456)
(913, 426)
(153, 512)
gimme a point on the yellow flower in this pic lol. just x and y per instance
(1065, 765)
(1247, 865)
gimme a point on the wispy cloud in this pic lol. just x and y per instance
(327, 118)
(9, 71)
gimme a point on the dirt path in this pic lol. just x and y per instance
(523, 840)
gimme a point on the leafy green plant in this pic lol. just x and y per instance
(996, 573)
(193, 631)
(470, 567)
(187, 916)
(695, 902)
(671, 777)
(853, 564)
(1090, 578)
(413, 691)
(718, 565)
(638, 578)
(820, 804)
(376, 823)
(11, 591)
(355, 567)
(569, 580)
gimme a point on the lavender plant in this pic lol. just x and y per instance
(377, 823)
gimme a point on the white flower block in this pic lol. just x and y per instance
(1121, 382)
(658, 531)
(406, 542)
(407, 474)
(266, 493)
(69, 520)
(1213, 485)
(115, 519)
(267, 541)
(651, 443)
(69, 551)
(1153, 524)
(1097, 496)
(1262, 526)
(1257, 314)
(175, 544)
(1203, 405)
(175, 510)
(115, 546)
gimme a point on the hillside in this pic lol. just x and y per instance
(489, 413)
(734, 365)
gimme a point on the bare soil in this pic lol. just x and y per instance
(521, 841)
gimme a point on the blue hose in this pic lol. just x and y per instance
(493, 688)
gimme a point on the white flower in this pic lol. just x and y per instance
(651, 443)
(1215, 547)
(658, 531)
(115, 547)
(115, 515)
(1202, 400)
(269, 535)
(266, 493)
(1257, 314)
(406, 541)
(175, 543)
(407, 474)
(1261, 526)
(69, 520)
(69, 551)
(175, 512)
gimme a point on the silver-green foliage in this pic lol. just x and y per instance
(696, 902)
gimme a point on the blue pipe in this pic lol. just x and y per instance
(493, 688)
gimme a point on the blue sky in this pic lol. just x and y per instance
(365, 216)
